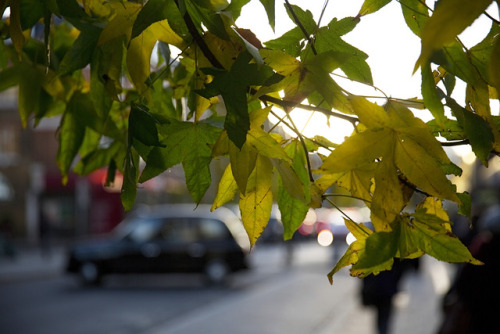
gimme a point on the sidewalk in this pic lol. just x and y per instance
(31, 263)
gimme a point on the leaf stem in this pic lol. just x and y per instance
(301, 26)
(348, 196)
(340, 210)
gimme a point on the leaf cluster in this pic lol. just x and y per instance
(142, 86)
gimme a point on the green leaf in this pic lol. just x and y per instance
(290, 42)
(449, 19)
(142, 126)
(416, 15)
(465, 204)
(431, 96)
(31, 12)
(131, 172)
(209, 18)
(476, 129)
(234, 8)
(100, 158)
(30, 89)
(434, 239)
(80, 53)
(494, 66)
(328, 39)
(232, 85)
(269, 6)
(71, 134)
(87, 115)
(371, 6)
(485, 54)
(187, 143)
(9, 77)
(293, 211)
(304, 16)
(380, 250)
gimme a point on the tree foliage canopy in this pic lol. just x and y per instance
(145, 80)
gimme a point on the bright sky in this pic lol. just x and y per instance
(392, 48)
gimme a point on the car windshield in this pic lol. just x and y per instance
(138, 229)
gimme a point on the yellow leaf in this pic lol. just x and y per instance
(291, 181)
(358, 150)
(449, 19)
(359, 231)
(422, 169)
(97, 7)
(122, 22)
(265, 144)
(242, 163)
(256, 204)
(370, 114)
(227, 189)
(434, 206)
(405, 122)
(226, 50)
(258, 117)
(388, 199)
(281, 62)
(140, 48)
(357, 181)
(221, 147)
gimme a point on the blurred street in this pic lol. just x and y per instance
(270, 298)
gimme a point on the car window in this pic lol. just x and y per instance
(212, 229)
(179, 230)
(143, 230)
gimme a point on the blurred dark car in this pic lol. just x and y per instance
(166, 239)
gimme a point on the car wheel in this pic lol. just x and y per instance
(90, 274)
(217, 271)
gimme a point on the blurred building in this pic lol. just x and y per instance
(33, 201)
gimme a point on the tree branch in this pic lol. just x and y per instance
(301, 26)
(199, 40)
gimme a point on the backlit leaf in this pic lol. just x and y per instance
(476, 129)
(140, 48)
(449, 19)
(433, 238)
(227, 189)
(242, 163)
(257, 203)
(416, 15)
(371, 6)
(269, 6)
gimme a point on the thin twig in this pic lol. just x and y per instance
(348, 196)
(301, 26)
(340, 210)
(199, 40)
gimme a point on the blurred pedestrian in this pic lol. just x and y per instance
(379, 290)
(473, 303)
(6, 238)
